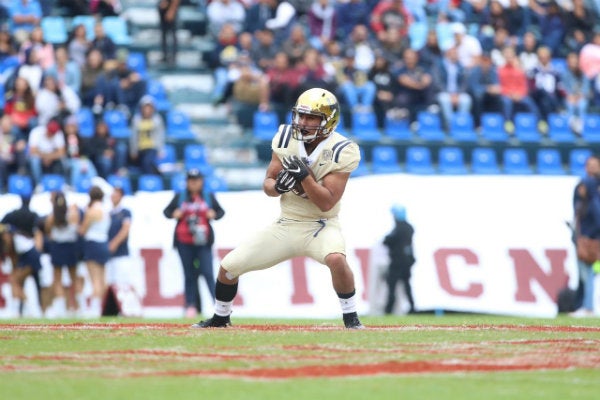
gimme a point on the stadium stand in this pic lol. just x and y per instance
(451, 161)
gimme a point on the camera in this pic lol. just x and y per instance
(199, 232)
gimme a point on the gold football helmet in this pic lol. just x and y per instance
(318, 102)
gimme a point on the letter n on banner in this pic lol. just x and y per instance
(528, 270)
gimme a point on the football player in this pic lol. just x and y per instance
(309, 169)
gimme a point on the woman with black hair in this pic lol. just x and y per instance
(61, 228)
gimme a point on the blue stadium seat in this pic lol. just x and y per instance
(216, 184)
(397, 128)
(526, 127)
(516, 162)
(136, 61)
(54, 29)
(82, 184)
(363, 168)
(157, 90)
(194, 156)
(462, 128)
(150, 183)
(265, 125)
(122, 182)
(430, 126)
(117, 124)
(418, 160)
(559, 64)
(85, 119)
(417, 34)
(451, 161)
(364, 126)
(21, 185)
(559, 129)
(549, 162)
(178, 182)
(167, 162)
(88, 21)
(179, 126)
(52, 182)
(484, 161)
(492, 127)
(577, 160)
(116, 28)
(444, 35)
(591, 128)
(385, 160)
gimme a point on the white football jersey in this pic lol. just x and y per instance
(334, 154)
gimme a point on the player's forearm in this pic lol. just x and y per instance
(269, 187)
(321, 196)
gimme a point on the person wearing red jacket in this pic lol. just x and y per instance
(390, 14)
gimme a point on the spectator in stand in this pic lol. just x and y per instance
(45, 50)
(54, 101)
(280, 83)
(514, 88)
(263, 51)
(577, 90)
(24, 16)
(258, 14)
(430, 55)
(501, 40)
(31, 69)
(363, 48)
(385, 87)
(468, 47)
(552, 25)
(314, 73)
(415, 90)
(104, 43)
(296, 44)
(75, 7)
(246, 95)
(322, 23)
(579, 24)
(20, 228)
(498, 15)
(106, 8)
(118, 267)
(528, 52)
(350, 14)
(67, 72)
(221, 12)
(282, 21)
(7, 152)
(484, 87)
(147, 139)
(61, 229)
(392, 45)
(221, 59)
(545, 89)
(129, 90)
(357, 90)
(167, 12)
(194, 209)
(390, 14)
(94, 229)
(47, 150)
(107, 155)
(20, 108)
(451, 82)
(8, 48)
(79, 45)
(79, 163)
(93, 80)
(517, 19)
(589, 62)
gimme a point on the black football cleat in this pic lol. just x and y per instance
(351, 321)
(215, 322)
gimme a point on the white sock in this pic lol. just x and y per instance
(60, 305)
(223, 308)
(348, 305)
(80, 298)
(96, 307)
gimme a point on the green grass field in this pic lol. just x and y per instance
(415, 357)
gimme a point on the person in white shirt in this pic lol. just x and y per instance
(46, 150)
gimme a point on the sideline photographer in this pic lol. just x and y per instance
(193, 209)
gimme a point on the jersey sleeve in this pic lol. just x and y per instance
(346, 155)
(281, 140)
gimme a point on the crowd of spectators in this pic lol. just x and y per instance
(46, 85)
(399, 57)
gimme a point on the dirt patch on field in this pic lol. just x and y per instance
(285, 361)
